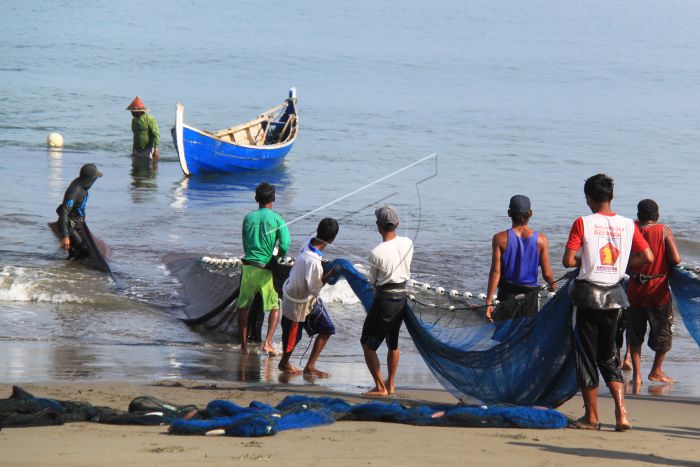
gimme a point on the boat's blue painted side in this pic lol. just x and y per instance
(205, 154)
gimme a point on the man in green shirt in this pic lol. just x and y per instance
(262, 229)
(146, 132)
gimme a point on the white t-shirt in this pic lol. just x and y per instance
(303, 285)
(390, 262)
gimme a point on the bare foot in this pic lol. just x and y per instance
(269, 350)
(389, 388)
(244, 349)
(376, 393)
(627, 364)
(289, 369)
(660, 377)
(317, 373)
(621, 421)
(637, 388)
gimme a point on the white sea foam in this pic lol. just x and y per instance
(339, 292)
(19, 284)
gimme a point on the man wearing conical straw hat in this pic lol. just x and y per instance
(145, 129)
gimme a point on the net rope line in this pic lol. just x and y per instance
(426, 287)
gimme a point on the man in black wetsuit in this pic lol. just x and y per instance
(71, 213)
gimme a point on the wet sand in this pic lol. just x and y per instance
(666, 432)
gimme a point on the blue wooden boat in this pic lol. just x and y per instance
(261, 143)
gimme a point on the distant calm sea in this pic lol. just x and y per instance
(527, 97)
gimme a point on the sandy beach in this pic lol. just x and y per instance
(665, 432)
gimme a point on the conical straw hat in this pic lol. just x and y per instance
(137, 105)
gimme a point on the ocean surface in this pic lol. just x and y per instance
(527, 97)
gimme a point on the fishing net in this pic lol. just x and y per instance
(526, 360)
(685, 286)
(23, 409)
(297, 411)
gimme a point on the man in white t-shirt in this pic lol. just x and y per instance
(608, 244)
(302, 308)
(390, 268)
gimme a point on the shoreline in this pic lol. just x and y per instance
(665, 432)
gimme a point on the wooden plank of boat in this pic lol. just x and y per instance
(261, 143)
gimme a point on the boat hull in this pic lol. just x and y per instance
(259, 144)
(204, 154)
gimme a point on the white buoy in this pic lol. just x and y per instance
(54, 140)
(426, 286)
(440, 290)
(451, 308)
(412, 298)
(454, 293)
(482, 296)
(413, 283)
(467, 295)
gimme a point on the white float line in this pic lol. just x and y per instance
(236, 262)
(424, 286)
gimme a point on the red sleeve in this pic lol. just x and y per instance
(639, 243)
(576, 235)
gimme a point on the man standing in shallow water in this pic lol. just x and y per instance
(650, 295)
(517, 253)
(145, 129)
(608, 244)
(262, 229)
(390, 268)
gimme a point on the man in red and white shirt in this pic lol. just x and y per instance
(608, 244)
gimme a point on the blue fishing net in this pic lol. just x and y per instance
(524, 361)
(685, 286)
(297, 411)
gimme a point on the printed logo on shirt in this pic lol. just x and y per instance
(608, 255)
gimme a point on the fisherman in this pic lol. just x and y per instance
(145, 129)
(608, 244)
(390, 268)
(262, 229)
(517, 253)
(302, 308)
(650, 296)
(71, 212)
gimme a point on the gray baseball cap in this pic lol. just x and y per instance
(386, 215)
(519, 204)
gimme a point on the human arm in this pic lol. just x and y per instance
(494, 273)
(573, 245)
(672, 256)
(641, 253)
(543, 244)
(63, 212)
(155, 131)
(283, 237)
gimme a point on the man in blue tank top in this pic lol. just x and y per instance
(517, 255)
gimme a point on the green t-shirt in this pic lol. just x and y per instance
(261, 230)
(146, 133)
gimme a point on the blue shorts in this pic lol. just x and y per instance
(317, 322)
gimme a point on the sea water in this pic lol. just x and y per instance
(528, 97)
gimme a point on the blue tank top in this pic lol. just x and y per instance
(521, 260)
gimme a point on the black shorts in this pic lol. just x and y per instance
(383, 321)
(594, 334)
(660, 320)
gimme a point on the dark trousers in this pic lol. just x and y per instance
(595, 332)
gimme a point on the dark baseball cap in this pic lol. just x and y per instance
(519, 204)
(386, 215)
